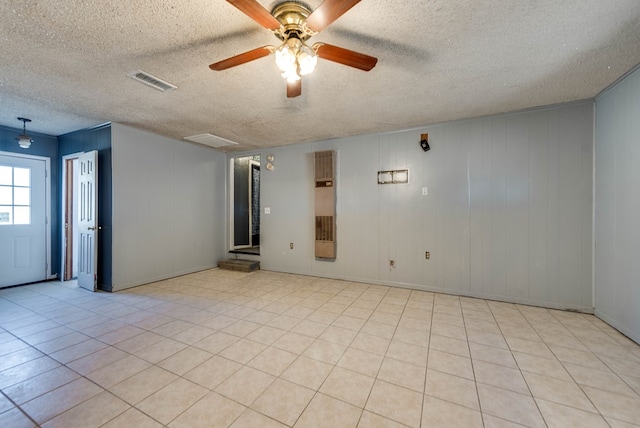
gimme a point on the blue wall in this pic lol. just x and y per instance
(98, 138)
(46, 146)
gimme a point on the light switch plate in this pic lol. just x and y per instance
(267, 210)
(425, 191)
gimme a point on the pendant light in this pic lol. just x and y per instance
(24, 140)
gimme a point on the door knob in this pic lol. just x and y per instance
(92, 228)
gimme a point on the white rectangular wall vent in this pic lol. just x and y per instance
(211, 140)
(149, 80)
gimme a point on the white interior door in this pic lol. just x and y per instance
(88, 220)
(23, 220)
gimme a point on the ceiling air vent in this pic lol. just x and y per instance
(152, 81)
(211, 140)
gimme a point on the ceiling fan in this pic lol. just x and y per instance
(293, 23)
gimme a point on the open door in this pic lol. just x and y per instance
(88, 221)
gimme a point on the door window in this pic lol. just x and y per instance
(15, 195)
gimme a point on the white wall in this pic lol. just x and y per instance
(508, 215)
(617, 207)
(168, 207)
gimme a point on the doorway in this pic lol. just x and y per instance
(245, 205)
(24, 225)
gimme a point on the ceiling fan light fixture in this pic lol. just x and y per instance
(295, 59)
(24, 141)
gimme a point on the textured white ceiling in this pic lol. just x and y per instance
(64, 64)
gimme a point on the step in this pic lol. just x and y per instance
(239, 265)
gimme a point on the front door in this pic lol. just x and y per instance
(88, 220)
(23, 220)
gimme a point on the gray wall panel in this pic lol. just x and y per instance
(504, 218)
(617, 224)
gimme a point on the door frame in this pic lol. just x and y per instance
(63, 196)
(47, 204)
(231, 198)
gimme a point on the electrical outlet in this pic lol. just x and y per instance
(291, 245)
(427, 255)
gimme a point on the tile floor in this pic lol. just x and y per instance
(265, 349)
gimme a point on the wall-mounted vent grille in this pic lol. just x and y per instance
(325, 204)
(154, 82)
(324, 164)
(324, 228)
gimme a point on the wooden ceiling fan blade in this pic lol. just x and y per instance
(294, 89)
(345, 56)
(242, 58)
(255, 11)
(327, 12)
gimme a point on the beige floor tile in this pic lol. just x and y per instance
(243, 351)
(41, 384)
(582, 358)
(490, 354)
(559, 416)
(245, 385)
(14, 418)
(309, 328)
(408, 353)
(160, 351)
(241, 328)
(293, 342)
(448, 330)
(452, 388)
(403, 374)
(212, 372)
(348, 386)
(443, 414)
(450, 345)
(339, 335)
(494, 422)
(325, 351)
(348, 322)
(142, 384)
(27, 370)
(213, 410)
(266, 335)
(58, 401)
(371, 420)
(541, 365)
(500, 376)
(558, 391)
(172, 400)
(323, 317)
(356, 312)
(487, 339)
(449, 363)
(307, 372)
(97, 360)
(132, 418)
(283, 401)
(600, 379)
(361, 361)
(193, 334)
(371, 343)
(77, 351)
(139, 342)
(377, 328)
(423, 325)
(185, 360)
(396, 403)
(412, 336)
(118, 371)
(92, 413)
(253, 419)
(509, 405)
(325, 411)
(273, 361)
(531, 347)
(216, 342)
(620, 424)
(616, 406)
